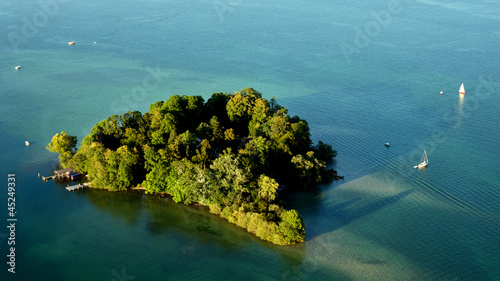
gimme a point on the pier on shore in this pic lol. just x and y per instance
(63, 175)
(78, 186)
(59, 174)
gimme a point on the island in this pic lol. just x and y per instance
(232, 153)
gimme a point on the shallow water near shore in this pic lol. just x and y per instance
(384, 221)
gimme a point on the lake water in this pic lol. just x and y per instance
(362, 74)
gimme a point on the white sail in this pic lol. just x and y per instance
(462, 89)
(423, 162)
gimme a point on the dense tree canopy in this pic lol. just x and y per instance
(63, 144)
(230, 153)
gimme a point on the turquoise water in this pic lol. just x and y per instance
(384, 221)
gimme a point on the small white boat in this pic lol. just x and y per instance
(441, 92)
(27, 143)
(462, 89)
(71, 43)
(424, 162)
(17, 67)
(387, 144)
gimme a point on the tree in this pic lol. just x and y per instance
(231, 176)
(274, 106)
(202, 156)
(189, 141)
(160, 130)
(79, 161)
(156, 179)
(301, 142)
(194, 109)
(185, 182)
(260, 114)
(173, 104)
(324, 151)
(217, 130)
(240, 108)
(132, 120)
(216, 106)
(268, 188)
(127, 174)
(63, 144)
(108, 132)
(151, 157)
(309, 170)
(204, 131)
(256, 152)
(133, 138)
(278, 128)
(229, 135)
(173, 150)
(96, 165)
(156, 105)
(292, 227)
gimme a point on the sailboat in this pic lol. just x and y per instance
(424, 162)
(462, 89)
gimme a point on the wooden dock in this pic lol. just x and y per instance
(55, 177)
(59, 174)
(78, 186)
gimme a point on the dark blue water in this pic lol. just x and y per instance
(362, 74)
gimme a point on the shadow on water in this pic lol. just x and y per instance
(126, 205)
(347, 212)
(165, 217)
(197, 232)
(161, 216)
(200, 232)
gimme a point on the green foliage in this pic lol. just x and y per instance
(173, 104)
(215, 209)
(108, 132)
(231, 177)
(204, 131)
(308, 170)
(267, 188)
(63, 144)
(292, 227)
(96, 165)
(202, 156)
(217, 129)
(301, 141)
(279, 130)
(156, 179)
(216, 106)
(229, 153)
(241, 108)
(257, 151)
(324, 151)
(156, 105)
